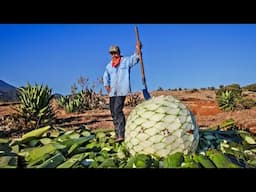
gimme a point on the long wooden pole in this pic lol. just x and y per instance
(141, 60)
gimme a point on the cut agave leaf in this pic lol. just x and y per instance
(34, 134)
(8, 161)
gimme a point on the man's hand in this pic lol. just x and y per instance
(107, 89)
(138, 47)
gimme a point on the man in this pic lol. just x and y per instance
(116, 80)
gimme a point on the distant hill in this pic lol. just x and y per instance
(7, 92)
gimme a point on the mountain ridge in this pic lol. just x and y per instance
(6, 86)
(8, 92)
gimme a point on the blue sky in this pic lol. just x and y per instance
(174, 55)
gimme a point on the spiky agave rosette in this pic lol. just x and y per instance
(161, 126)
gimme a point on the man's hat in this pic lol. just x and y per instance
(114, 48)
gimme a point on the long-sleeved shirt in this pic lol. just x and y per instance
(118, 78)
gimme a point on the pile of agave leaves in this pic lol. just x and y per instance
(49, 147)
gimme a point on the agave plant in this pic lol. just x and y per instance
(35, 105)
(227, 100)
(71, 104)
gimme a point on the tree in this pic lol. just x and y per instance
(73, 89)
(83, 82)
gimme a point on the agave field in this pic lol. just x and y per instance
(160, 133)
(49, 147)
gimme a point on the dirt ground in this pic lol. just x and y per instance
(202, 103)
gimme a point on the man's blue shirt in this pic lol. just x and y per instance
(118, 78)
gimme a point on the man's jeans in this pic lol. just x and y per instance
(116, 109)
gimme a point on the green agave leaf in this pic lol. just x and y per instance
(34, 134)
(8, 161)
(73, 160)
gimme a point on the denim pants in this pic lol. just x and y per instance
(116, 109)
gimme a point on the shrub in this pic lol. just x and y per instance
(234, 88)
(251, 87)
(246, 103)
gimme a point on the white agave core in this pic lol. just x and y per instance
(161, 126)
